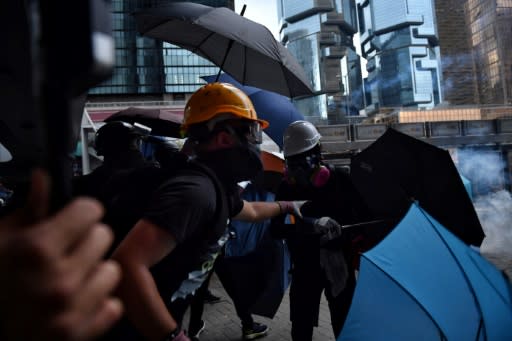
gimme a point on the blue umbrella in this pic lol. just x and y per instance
(423, 283)
(277, 109)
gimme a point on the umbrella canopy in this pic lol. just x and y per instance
(397, 169)
(276, 109)
(241, 47)
(163, 122)
(422, 283)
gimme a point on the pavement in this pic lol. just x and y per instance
(222, 323)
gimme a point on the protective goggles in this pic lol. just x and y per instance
(303, 162)
(247, 131)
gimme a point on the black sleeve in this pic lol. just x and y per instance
(182, 205)
(236, 203)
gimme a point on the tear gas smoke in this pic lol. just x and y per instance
(486, 171)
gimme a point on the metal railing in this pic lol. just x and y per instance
(354, 137)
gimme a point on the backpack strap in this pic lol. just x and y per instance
(222, 207)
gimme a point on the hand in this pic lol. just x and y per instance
(291, 207)
(181, 337)
(328, 229)
(54, 284)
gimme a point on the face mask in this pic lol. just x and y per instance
(235, 164)
(307, 172)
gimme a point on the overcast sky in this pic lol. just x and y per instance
(261, 11)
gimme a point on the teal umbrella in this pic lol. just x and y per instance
(422, 283)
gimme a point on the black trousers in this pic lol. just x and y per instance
(308, 283)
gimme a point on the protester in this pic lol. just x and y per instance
(167, 153)
(118, 142)
(321, 260)
(169, 156)
(171, 249)
(54, 285)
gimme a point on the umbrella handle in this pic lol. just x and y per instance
(229, 48)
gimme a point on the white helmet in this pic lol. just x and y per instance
(299, 137)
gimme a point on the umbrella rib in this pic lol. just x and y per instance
(244, 64)
(443, 337)
(198, 47)
(490, 283)
(473, 292)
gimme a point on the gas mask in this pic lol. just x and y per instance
(306, 171)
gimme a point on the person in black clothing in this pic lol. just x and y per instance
(118, 142)
(172, 247)
(166, 152)
(321, 259)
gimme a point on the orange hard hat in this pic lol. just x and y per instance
(217, 101)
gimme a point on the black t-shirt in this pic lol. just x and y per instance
(194, 206)
(187, 207)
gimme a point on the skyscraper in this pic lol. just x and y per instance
(490, 27)
(319, 34)
(458, 84)
(149, 68)
(399, 39)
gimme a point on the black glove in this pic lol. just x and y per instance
(328, 229)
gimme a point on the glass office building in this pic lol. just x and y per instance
(399, 40)
(319, 34)
(148, 67)
(490, 27)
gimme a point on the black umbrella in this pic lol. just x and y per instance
(241, 47)
(397, 169)
(163, 122)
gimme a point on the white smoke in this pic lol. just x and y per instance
(495, 213)
(484, 169)
(486, 172)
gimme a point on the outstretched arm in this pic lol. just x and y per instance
(262, 210)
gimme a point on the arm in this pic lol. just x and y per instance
(261, 210)
(144, 246)
(258, 211)
(54, 284)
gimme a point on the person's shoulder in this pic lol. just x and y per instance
(189, 180)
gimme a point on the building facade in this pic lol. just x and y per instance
(490, 40)
(459, 83)
(399, 40)
(148, 68)
(319, 33)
